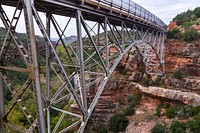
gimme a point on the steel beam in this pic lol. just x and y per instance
(47, 49)
(2, 127)
(81, 62)
(35, 67)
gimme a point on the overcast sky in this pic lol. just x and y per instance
(164, 9)
(168, 9)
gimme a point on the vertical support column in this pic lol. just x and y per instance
(48, 18)
(81, 62)
(122, 26)
(106, 44)
(2, 128)
(162, 53)
(35, 69)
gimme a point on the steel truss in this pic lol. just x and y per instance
(88, 61)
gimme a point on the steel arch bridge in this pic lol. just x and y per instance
(105, 30)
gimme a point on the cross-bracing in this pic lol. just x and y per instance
(104, 36)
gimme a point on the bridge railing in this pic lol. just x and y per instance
(134, 9)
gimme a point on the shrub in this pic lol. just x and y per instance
(196, 110)
(133, 100)
(129, 111)
(177, 127)
(170, 112)
(197, 118)
(118, 123)
(187, 24)
(120, 101)
(180, 112)
(189, 111)
(101, 130)
(166, 106)
(190, 35)
(174, 33)
(192, 126)
(157, 81)
(158, 111)
(145, 81)
(177, 74)
(158, 128)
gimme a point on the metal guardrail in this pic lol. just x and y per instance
(134, 9)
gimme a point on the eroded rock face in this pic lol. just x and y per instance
(116, 89)
(109, 99)
(183, 56)
(184, 84)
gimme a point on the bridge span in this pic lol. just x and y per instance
(60, 78)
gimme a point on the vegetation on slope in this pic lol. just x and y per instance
(187, 24)
(187, 119)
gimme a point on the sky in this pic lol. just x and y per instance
(166, 10)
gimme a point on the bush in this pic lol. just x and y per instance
(133, 100)
(101, 130)
(193, 126)
(157, 81)
(145, 81)
(158, 111)
(180, 112)
(177, 74)
(187, 24)
(120, 101)
(196, 110)
(174, 33)
(118, 123)
(177, 127)
(170, 112)
(158, 128)
(129, 111)
(190, 35)
(197, 118)
(166, 106)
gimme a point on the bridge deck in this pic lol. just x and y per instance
(94, 9)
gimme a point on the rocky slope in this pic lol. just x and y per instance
(183, 56)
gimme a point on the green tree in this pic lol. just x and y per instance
(174, 33)
(177, 74)
(184, 17)
(190, 35)
(158, 128)
(129, 111)
(133, 100)
(197, 12)
(193, 126)
(170, 112)
(118, 123)
(177, 127)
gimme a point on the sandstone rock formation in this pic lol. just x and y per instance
(188, 98)
(182, 56)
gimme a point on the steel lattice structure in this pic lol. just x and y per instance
(105, 30)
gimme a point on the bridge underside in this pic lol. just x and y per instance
(59, 76)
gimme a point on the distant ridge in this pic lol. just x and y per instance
(67, 40)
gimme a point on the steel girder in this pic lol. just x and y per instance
(76, 67)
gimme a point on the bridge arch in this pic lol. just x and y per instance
(90, 60)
